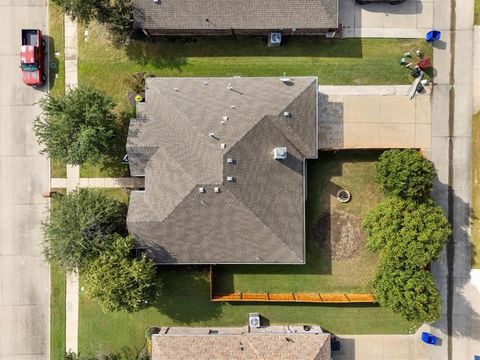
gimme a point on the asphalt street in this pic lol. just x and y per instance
(24, 175)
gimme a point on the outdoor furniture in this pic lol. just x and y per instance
(432, 36)
(428, 338)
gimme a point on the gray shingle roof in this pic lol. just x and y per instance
(258, 217)
(236, 14)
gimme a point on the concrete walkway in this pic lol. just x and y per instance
(451, 152)
(62, 183)
(72, 182)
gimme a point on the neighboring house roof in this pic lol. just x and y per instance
(258, 217)
(240, 345)
(235, 14)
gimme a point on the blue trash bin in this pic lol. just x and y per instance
(433, 35)
(428, 338)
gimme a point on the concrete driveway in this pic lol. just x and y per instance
(24, 175)
(378, 117)
(411, 19)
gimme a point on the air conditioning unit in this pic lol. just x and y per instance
(201, 190)
(230, 178)
(229, 160)
(216, 189)
(254, 320)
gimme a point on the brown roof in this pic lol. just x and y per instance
(236, 14)
(258, 217)
(247, 346)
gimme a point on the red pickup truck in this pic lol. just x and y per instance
(32, 56)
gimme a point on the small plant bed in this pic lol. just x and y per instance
(337, 260)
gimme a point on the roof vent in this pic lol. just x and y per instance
(280, 153)
(225, 118)
(216, 189)
(201, 190)
(287, 114)
(229, 87)
(223, 146)
(229, 160)
(205, 83)
(212, 135)
(230, 178)
(176, 89)
(233, 107)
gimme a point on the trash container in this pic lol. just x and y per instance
(433, 35)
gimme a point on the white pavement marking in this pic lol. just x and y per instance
(24, 176)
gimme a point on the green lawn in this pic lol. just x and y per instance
(186, 302)
(352, 170)
(185, 295)
(57, 313)
(475, 215)
(57, 73)
(334, 61)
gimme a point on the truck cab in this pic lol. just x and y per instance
(32, 58)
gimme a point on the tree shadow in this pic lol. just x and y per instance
(185, 294)
(52, 61)
(174, 52)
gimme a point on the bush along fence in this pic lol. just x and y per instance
(310, 297)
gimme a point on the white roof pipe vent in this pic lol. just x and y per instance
(280, 153)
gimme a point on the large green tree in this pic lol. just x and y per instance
(76, 229)
(78, 127)
(119, 281)
(409, 233)
(84, 10)
(413, 294)
(405, 173)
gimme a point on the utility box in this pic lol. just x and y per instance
(274, 39)
(254, 320)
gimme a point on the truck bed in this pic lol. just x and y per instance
(30, 37)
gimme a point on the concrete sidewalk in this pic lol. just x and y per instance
(72, 182)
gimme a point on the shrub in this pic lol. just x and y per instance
(78, 127)
(410, 234)
(405, 173)
(119, 281)
(75, 231)
(412, 294)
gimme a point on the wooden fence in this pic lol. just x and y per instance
(312, 297)
(296, 297)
